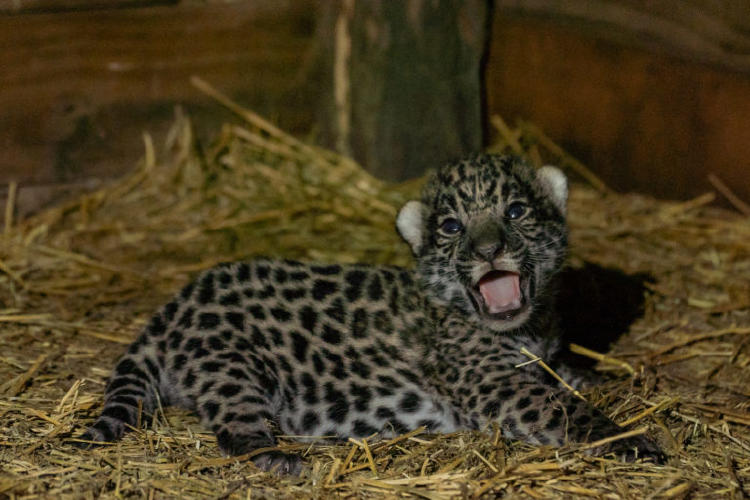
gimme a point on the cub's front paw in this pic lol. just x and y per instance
(632, 449)
(283, 464)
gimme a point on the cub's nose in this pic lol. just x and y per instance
(486, 239)
(488, 251)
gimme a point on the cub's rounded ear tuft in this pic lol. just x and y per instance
(555, 184)
(409, 224)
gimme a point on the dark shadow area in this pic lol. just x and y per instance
(596, 305)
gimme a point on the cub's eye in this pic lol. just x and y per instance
(451, 226)
(515, 210)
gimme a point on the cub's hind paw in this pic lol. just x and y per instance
(283, 464)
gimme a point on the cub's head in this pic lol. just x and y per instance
(488, 234)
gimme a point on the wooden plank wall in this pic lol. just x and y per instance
(653, 95)
(80, 87)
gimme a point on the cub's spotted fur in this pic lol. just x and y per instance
(351, 350)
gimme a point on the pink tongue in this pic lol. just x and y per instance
(501, 292)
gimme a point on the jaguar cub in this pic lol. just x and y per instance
(352, 350)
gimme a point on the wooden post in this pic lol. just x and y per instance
(405, 92)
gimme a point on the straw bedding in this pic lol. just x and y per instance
(79, 280)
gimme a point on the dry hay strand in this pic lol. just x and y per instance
(78, 281)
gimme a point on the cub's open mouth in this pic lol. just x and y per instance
(500, 294)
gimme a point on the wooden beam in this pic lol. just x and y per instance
(406, 90)
(716, 32)
(49, 6)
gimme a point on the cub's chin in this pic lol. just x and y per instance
(504, 324)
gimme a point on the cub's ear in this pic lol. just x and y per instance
(555, 184)
(409, 224)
